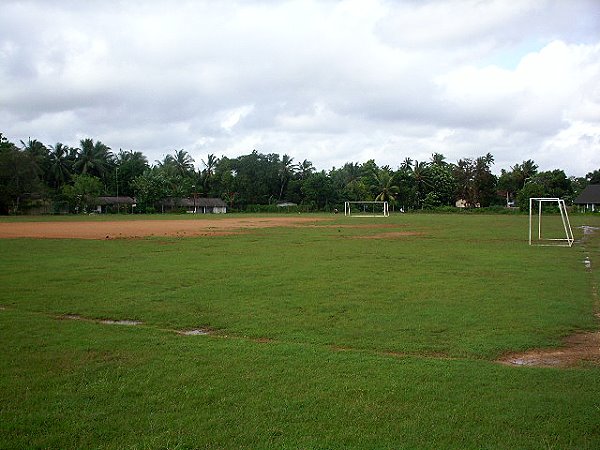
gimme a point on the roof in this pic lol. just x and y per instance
(591, 194)
(199, 202)
(122, 200)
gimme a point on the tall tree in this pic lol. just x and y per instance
(523, 172)
(18, 177)
(129, 166)
(37, 153)
(422, 181)
(60, 165)
(475, 183)
(304, 169)
(184, 163)
(593, 177)
(94, 158)
(286, 171)
(437, 159)
(386, 186)
(209, 170)
(407, 164)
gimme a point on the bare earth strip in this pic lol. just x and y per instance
(145, 228)
(578, 348)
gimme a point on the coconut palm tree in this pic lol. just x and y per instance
(437, 159)
(184, 163)
(420, 173)
(304, 169)
(385, 185)
(60, 165)
(94, 158)
(286, 170)
(406, 164)
(37, 154)
(209, 170)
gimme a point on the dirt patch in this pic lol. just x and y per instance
(104, 321)
(146, 228)
(121, 322)
(263, 340)
(388, 235)
(584, 347)
(194, 332)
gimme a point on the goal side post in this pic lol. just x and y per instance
(366, 209)
(567, 241)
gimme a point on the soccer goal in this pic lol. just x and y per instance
(553, 228)
(366, 209)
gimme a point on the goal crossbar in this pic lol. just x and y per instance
(567, 241)
(377, 209)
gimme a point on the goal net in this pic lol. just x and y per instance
(366, 209)
(551, 227)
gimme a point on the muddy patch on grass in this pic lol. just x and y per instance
(263, 340)
(578, 349)
(73, 317)
(102, 321)
(194, 332)
(121, 322)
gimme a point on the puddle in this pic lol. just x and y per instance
(72, 317)
(196, 332)
(587, 230)
(584, 347)
(121, 322)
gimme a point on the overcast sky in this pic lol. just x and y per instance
(328, 81)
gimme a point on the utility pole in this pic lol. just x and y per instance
(117, 182)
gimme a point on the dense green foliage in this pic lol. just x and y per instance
(320, 339)
(33, 178)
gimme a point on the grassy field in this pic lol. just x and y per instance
(319, 338)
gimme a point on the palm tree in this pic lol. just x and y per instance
(406, 164)
(209, 170)
(184, 163)
(437, 159)
(94, 158)
(37, 154)
(304, 169)
(385, 185)
(60, 166)
(420, 175)
(286, 170)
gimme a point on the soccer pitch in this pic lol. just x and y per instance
(330, 332)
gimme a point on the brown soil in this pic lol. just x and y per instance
(584, 347)
(144, 228)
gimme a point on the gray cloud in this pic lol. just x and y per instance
(331, 81)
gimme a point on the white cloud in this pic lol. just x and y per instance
(331, 81)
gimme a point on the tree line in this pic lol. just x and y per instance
(60, 178)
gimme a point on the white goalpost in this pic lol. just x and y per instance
(367, 209)
(554, 231)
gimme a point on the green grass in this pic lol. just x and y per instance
(382, 343)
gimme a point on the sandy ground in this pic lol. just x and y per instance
(144, 228)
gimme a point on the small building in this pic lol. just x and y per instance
(114, 204)
(462, 203)
(198, 205)
(589, 198)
